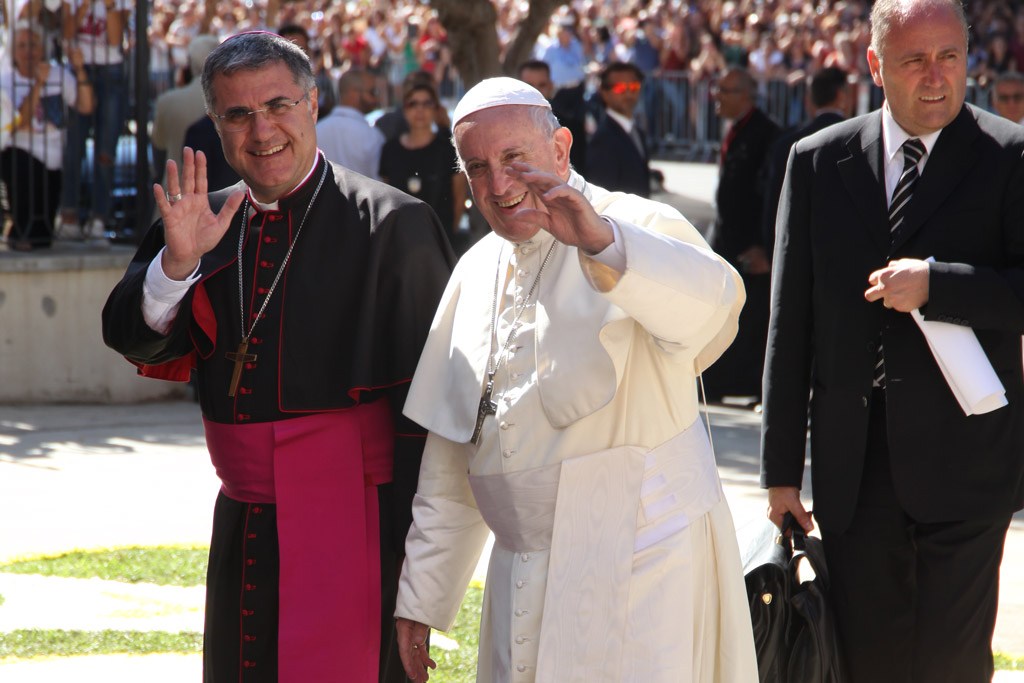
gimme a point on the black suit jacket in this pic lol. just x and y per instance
(739, 199)
(614, 162)
(775, 170)
(967, 212)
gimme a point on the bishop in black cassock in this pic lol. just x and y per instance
(303, 421)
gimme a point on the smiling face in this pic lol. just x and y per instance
(271, 155)
(487, 142)
(28, 51)
(922, 67)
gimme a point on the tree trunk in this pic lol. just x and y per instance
(472, 37)
(530, 28)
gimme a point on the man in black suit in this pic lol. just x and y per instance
(617, 153)
(538, 74)
(913, 498)
(828, 101)
(736, 231)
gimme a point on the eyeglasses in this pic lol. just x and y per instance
(623, 88)
(1010, 97)
(716, 90)
(420, 104)
(238, 119)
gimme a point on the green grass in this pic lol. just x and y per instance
(186, 566)
(39, 643)
(459, 666)
(165, 565)
(1005, 662)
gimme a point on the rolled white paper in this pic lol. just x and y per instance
(964, 364)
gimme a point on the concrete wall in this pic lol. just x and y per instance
(51, 344)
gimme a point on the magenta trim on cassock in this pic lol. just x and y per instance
(322, 471)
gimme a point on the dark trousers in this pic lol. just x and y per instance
(739, 371)
(916, 602)
(34, 195)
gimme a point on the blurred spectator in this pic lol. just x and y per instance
(432, 48)
(602, 44)
(766, 60)
(564, 56)
(184, 27)
(709, 61)
(829, 100)
(422, 161)
(374, 36)
(645, 54)
(677, 50)
(617, 154)
(178, 109)
(345, 136)
(97, 28)
(326, 96)
(996, 59)
(161, 68)
(40, 91)
(1008, 96)
(202, 136)
(736, 234)
(400, 63)
(538, 74)
(393, 123)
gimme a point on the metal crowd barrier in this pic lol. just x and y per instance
(680, 113)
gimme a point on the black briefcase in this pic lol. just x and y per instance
(794, 627)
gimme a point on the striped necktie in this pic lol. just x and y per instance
(913, 150)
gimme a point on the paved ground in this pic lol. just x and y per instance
(103, 476)
(100, 476)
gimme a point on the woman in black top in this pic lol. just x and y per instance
(422, 162)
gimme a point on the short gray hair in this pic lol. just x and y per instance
(542, 118)
(251, 51)
(1009, 77)
(887, 15)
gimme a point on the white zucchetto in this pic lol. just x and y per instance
(497, 92)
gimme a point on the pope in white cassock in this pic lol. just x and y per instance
(558, 386)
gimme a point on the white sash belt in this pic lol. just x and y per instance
(594, 512)
(519, 507)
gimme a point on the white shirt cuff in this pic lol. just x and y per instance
(161, 296)
(614, 255)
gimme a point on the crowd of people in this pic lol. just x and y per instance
(675, 45)
(774, 39)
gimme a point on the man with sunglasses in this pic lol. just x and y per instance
(1008, 96)
(617, 157)
(736, 232)
(302, 297)
(344, 135)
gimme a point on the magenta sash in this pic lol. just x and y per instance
(322, 472)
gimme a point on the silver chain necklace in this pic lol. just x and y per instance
(487, 406)
(242, 356)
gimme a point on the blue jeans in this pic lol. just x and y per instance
(105, 123)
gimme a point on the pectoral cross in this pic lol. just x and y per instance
(487, 407)
(239, 358)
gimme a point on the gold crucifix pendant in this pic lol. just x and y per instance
(240, 357)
